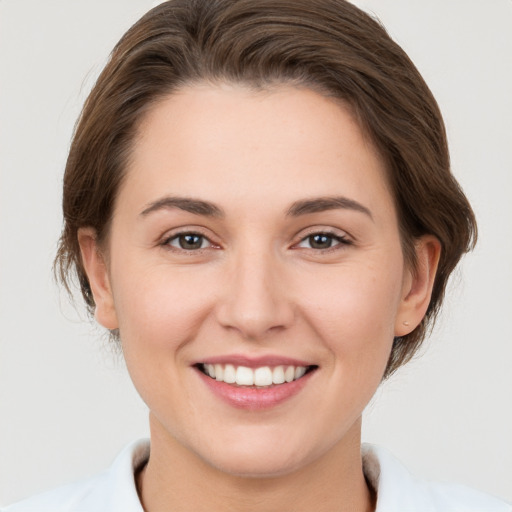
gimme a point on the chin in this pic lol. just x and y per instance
(256, 467)
(260, 459)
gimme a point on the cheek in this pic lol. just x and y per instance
(354, 309)
(159, 310)
(160, 313)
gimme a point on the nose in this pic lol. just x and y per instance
(255, 302)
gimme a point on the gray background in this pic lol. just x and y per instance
(66, 404)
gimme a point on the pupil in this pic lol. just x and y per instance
(190, 241)
(320, 241)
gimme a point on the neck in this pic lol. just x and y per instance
(177, 479)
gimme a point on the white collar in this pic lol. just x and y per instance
(397, 490)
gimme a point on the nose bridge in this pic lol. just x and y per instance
(255, 301)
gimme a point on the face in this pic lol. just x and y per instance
(254, 241)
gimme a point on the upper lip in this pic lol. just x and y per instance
(255, 362)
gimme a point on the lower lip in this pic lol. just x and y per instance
(254, 398)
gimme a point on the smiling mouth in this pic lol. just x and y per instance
(260, 377)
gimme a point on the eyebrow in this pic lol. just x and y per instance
(321, 204)
(197, 206)
(298, 208)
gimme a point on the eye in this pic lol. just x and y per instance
(188, 241)
(322, 241)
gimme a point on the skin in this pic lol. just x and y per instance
(258, 286)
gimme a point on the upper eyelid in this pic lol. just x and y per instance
(186, 230)
(341, 239)
(318, 230)
(325, 233)
(167, 242)
(302, 235)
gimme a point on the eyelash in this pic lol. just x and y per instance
(177, 236)
(342, 240)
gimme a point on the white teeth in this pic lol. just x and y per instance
(244, 376)
(262, 376)
(278, 375)
(289, 374)
(219, 372)
(229, 374)
(210, 370)
(299, 372)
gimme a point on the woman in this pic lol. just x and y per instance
(259, 208)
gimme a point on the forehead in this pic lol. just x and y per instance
(231, 140)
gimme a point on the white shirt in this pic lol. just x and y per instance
(397, 490)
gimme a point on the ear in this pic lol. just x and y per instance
(417, 285)
(97, 273)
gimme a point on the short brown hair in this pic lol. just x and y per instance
(328, 45)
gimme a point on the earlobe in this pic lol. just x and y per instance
(417, 286)
(97, 273)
